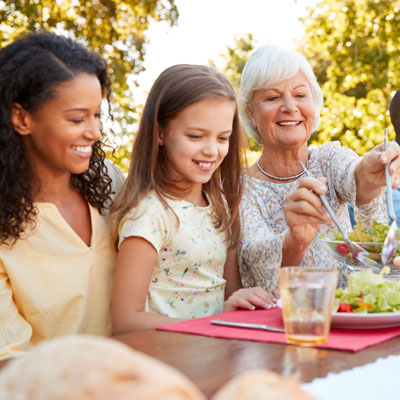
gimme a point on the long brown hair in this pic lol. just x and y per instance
(175, 89)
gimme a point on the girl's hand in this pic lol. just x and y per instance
(276, 293)
(304, 211)
(249, 299)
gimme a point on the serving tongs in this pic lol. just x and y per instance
(392, 237)
(357, 252)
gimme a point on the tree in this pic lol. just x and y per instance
(354, 48)
(234, 59)
(114, 28)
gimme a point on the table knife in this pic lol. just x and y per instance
(245, 325)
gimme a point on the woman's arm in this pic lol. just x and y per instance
(292, 251)
(304, 213)
(15, 331)
(370, 172)
(137, 259)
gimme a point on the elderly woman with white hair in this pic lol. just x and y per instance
(280, 101)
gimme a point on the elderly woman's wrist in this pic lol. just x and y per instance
(367, 186)
(367, 194)
(290, 244)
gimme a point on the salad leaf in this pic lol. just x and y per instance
(379, 231)
(361, 233)
(370, 293)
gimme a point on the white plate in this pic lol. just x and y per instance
(362, 321)
(365, 321)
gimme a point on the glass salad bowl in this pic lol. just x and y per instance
(340, 251)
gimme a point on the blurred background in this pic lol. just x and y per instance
(353, 46)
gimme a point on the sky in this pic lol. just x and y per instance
(206, 27)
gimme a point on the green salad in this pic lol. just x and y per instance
(371, 238)
(376, 233)
(368, 293)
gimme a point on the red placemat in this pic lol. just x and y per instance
(339, 339)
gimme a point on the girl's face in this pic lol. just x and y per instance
(197, 140)
(284, 113)
(60, 134)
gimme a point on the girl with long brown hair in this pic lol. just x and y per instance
(176, 221)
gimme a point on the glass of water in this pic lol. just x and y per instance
(307, 296)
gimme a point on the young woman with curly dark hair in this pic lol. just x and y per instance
(56, 256)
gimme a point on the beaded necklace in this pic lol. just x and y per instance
(278, 178)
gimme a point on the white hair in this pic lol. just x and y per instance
(267, 66)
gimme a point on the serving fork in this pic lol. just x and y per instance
(357, 252)
(392, 237)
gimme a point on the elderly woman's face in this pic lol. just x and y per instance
(284, 113)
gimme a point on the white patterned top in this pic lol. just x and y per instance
(264, 223)
(188, 279)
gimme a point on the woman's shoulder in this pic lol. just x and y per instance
(334, 146)
(331, 152)
(116, 175)
(254, 188)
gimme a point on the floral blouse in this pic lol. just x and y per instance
(264, 225)
(188, 279)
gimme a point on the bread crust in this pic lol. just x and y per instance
(261, 385)
(90, 367)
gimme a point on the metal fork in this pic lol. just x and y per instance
(356, 250)
(247, 325)
(390, 243)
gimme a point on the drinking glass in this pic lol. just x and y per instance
(307, 296)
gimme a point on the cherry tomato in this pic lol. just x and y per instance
(344, 307)
(342, 248)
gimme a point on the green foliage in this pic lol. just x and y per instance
(354, 48)
(122, 155)
(234, 59)
(114, 28)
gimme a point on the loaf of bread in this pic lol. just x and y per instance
(261, 385)
(92, 368)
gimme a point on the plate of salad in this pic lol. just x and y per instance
(368, 302)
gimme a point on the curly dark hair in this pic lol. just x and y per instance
(31, 68)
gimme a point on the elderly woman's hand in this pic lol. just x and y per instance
(370, 171)
(304, 210)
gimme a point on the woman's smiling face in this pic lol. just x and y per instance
(284, 113)
(61, 132)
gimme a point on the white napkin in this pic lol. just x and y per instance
(377, 380)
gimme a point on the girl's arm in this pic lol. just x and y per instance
(137, 259)
(231, 274)
(236, 296)
(370, 172)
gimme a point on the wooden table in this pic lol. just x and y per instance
(211, 362)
